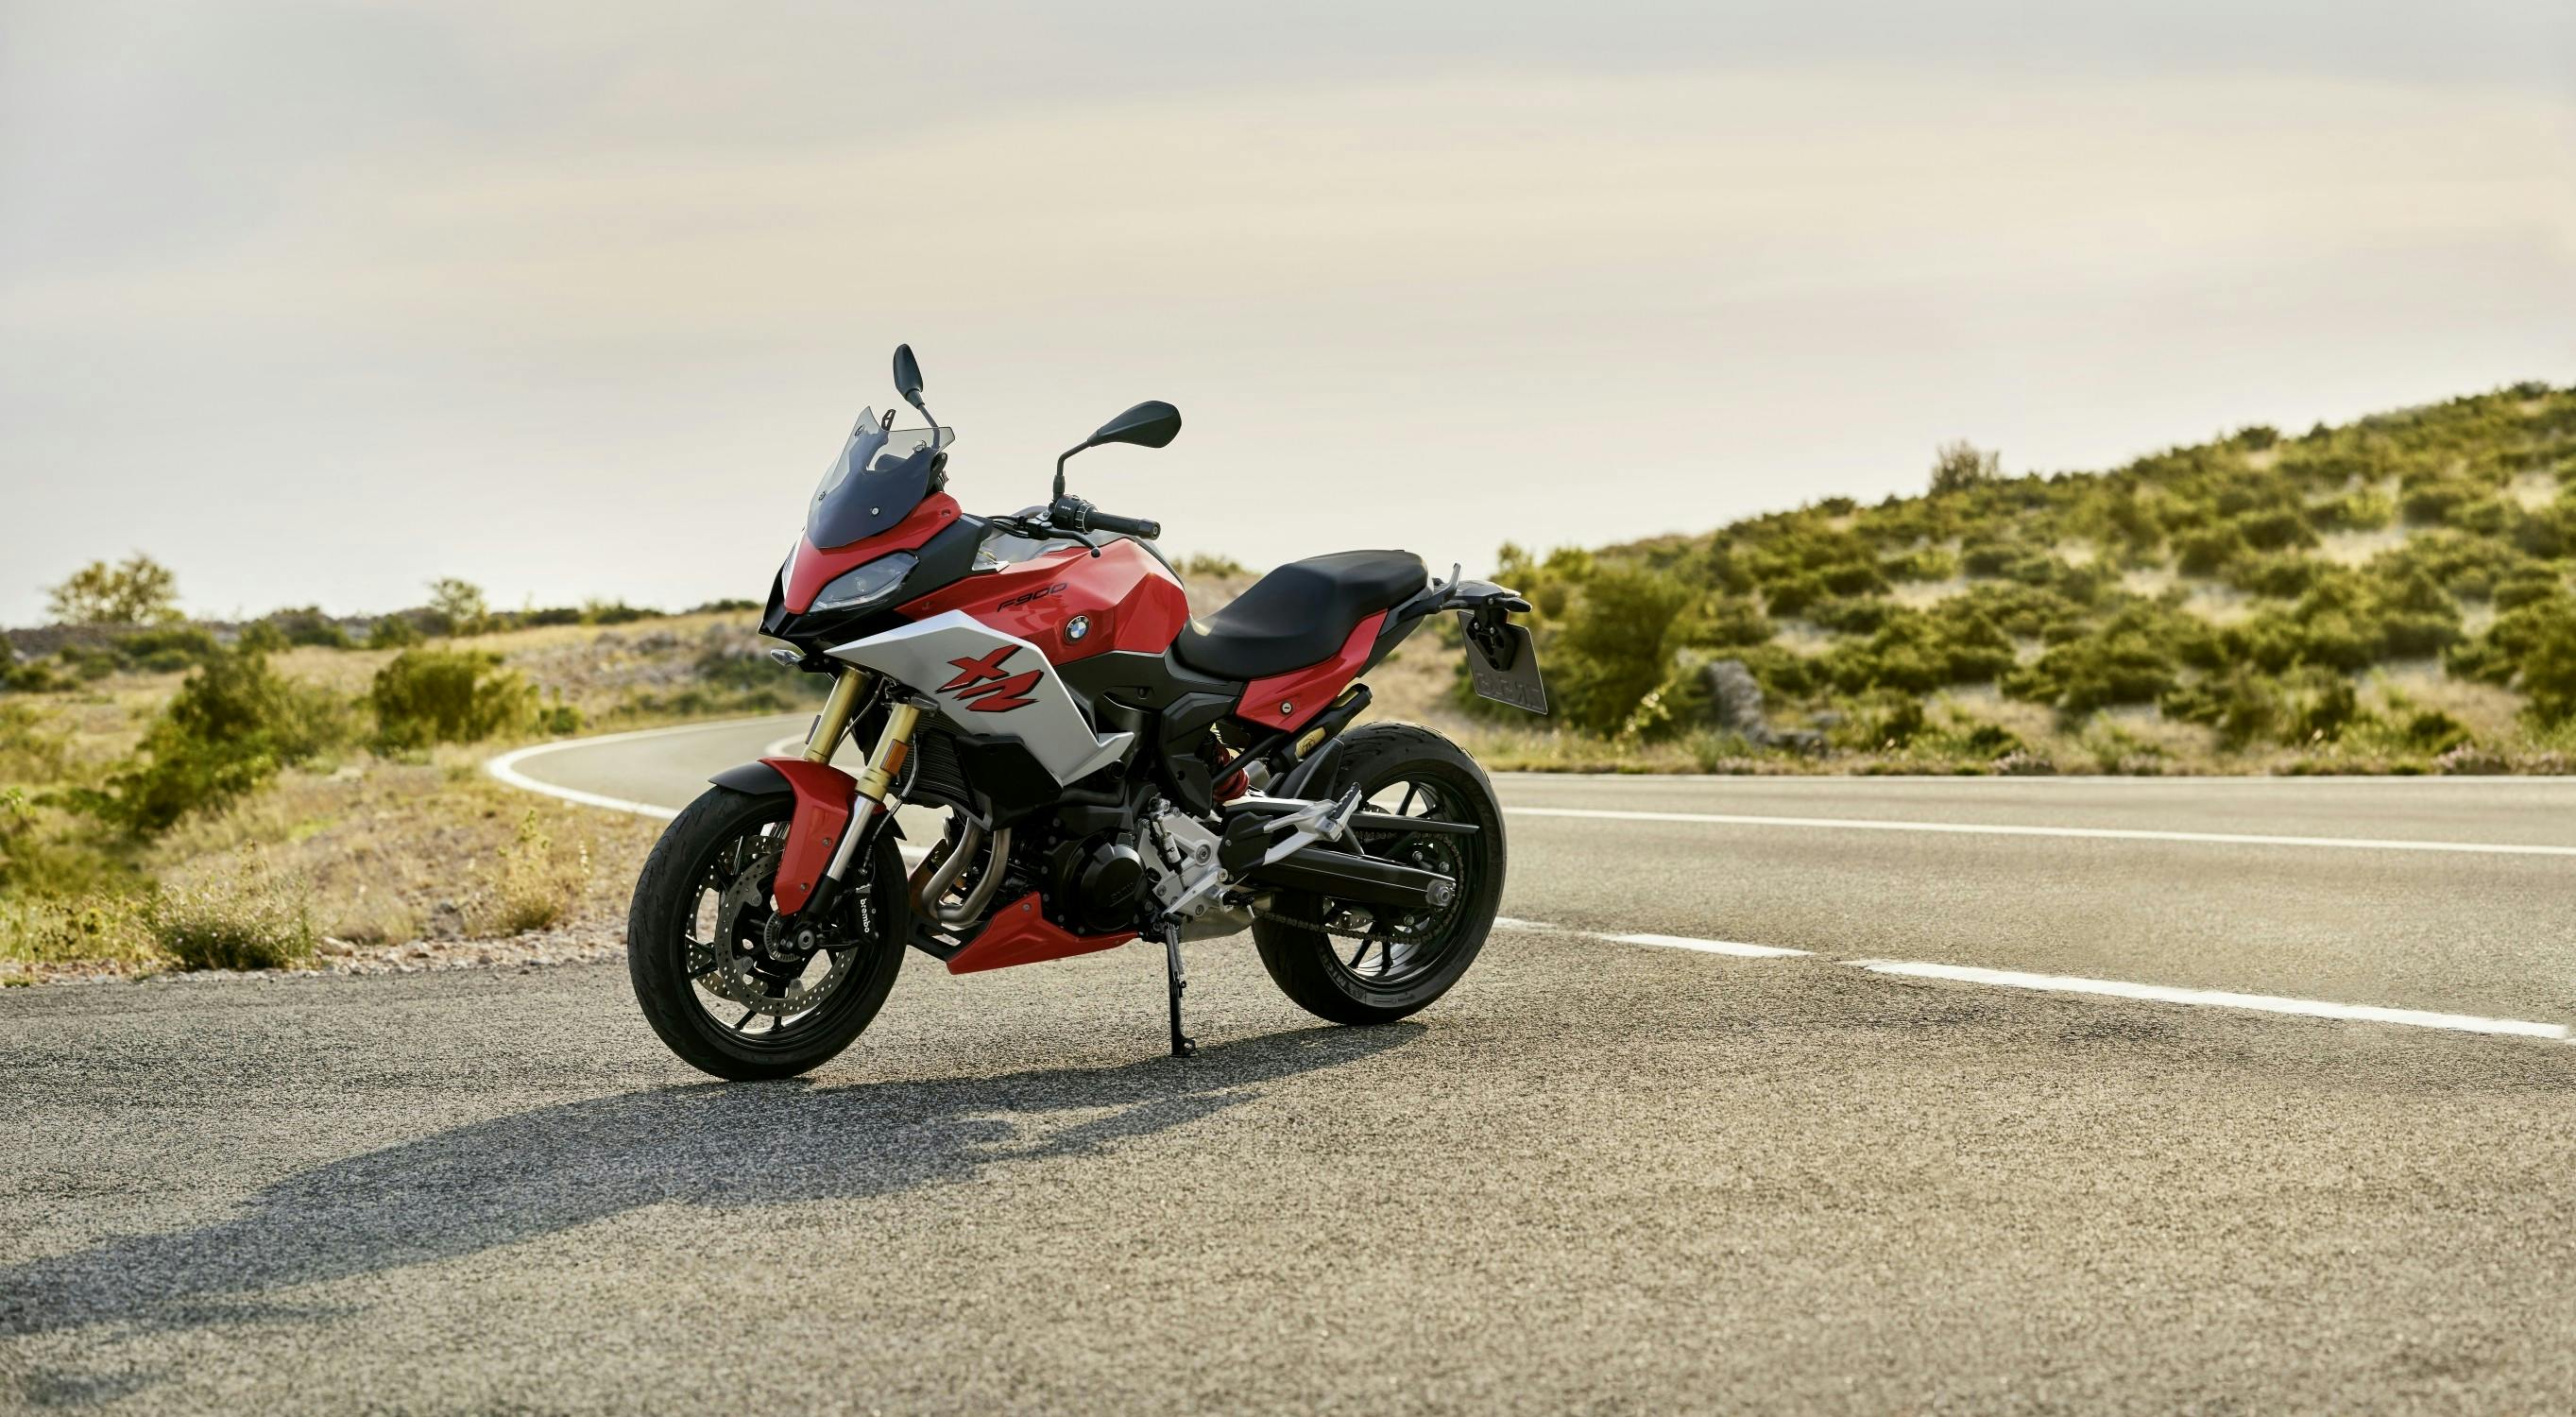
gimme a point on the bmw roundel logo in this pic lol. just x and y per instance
(1077, 627)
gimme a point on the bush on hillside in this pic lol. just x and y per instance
(309, 626)
(427, 696)
(233, 725)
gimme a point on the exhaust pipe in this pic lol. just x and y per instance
(931, 880)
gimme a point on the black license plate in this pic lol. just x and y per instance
(1515, 681)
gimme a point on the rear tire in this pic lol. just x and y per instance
(1308, 965)
(700, 854)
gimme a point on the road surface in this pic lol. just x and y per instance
(1823, 1094)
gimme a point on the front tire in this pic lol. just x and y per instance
(698, 944)
(1383, 969)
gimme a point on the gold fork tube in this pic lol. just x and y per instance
(876, 783)
(893, 745)
(834, 720)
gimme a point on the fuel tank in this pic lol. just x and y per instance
(1070, 604)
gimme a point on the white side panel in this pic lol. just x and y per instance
(987, 682)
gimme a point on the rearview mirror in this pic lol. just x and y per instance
(907, 375)
(1151, 424)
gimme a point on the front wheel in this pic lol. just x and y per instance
(1356, 963)
(723, 981)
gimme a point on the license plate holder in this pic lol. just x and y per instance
(1516, 681)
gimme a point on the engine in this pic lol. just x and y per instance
(1095, 882)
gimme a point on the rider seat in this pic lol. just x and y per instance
(1299, 614)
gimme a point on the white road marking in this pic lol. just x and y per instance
(2212, 998)
(1672, 942)
(505, 769)
(1714, 947)
(2353, 843)
(2110, 988)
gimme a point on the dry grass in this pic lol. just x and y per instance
(396, 851)
(236, 913)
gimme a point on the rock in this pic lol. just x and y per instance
(1735, 700)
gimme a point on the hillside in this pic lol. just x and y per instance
(2389, 595)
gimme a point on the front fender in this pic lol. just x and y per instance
(824, 795)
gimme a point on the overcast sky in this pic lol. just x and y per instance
(317, 301)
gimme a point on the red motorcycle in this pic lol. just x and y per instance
(1109, 769)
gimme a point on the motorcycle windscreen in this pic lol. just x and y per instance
(877, 480)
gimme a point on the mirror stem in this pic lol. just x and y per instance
(1059, 470)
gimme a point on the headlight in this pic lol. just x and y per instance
(874, 581)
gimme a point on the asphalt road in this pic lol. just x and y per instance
(1602, 1175)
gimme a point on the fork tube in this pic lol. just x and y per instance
(876, 784)
(825, 736)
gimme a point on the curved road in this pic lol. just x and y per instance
(1825, 1094)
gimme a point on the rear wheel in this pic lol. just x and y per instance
(734, 990)
(1356, 963)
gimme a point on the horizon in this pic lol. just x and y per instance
(315, 306)
(247, 614)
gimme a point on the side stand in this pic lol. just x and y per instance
(1182, 1045)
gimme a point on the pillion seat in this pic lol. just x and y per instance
(1299, 614)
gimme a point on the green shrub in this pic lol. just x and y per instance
(309, 626)
(165, 650)
(1880, 722)
(2244, 705)
(394, 631)
(2275, 530)
(1612, 647)
(426, 696)
(2321, 707)
(2357, 511)
(2549, 661)
(2209, 551)
(2434, 502)
(244, 918)
(2284, 575)
(615, 612)
(1722, 621)
(2128, 662)
(2434, 731)
(232, 725)
(1930, 563)
(2527, 585)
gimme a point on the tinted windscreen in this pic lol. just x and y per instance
(877, 480)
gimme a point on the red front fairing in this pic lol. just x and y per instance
(811, 567)
(1125, 597)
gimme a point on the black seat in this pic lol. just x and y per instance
(1299, 614)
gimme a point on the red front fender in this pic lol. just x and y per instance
(823, 797)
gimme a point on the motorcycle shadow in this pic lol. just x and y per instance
(722, 1146)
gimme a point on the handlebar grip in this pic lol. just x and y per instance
(1145, 527)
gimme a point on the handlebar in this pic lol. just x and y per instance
(1145, 527)
(1076, 515)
